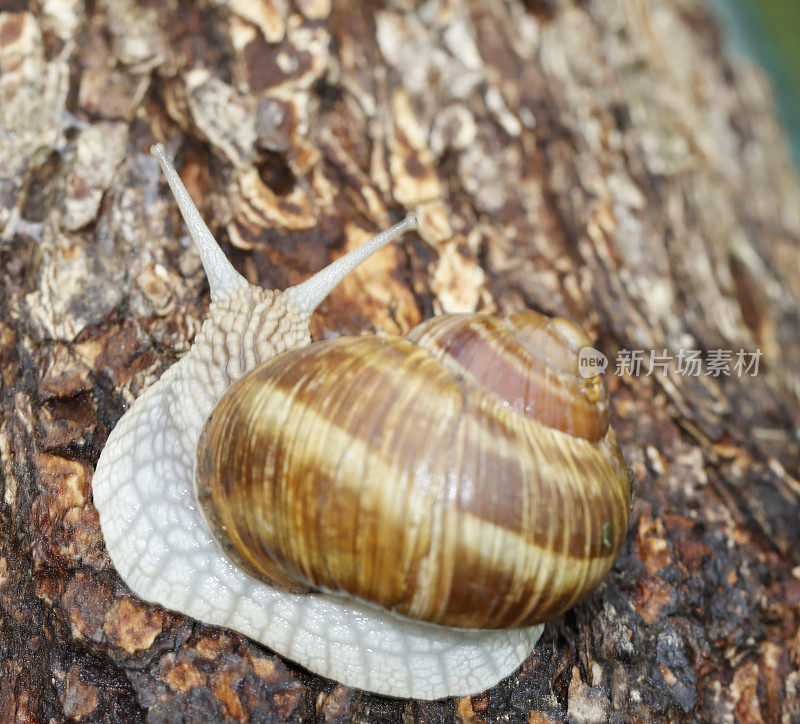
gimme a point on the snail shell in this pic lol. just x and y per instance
(160, 541)
(436, 476)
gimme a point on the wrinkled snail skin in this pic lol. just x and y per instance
(158, 536)
(375, 467)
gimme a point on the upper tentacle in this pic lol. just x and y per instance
(223, 279)
(307, 296)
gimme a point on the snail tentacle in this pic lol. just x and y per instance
(306, 297)
(223, 279)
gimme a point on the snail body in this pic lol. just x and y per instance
(389, 512)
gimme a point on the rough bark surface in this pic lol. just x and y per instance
(599, 160)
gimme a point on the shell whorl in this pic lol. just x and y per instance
(383, 468)
(528, 360)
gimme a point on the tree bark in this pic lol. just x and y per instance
(602, 161)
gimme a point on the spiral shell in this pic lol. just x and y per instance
(465, 475)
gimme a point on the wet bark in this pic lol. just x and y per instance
(603, 161)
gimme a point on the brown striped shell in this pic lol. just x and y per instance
(465, 475)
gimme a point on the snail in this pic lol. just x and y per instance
(397, 514)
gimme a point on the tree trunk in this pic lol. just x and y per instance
(602, 161)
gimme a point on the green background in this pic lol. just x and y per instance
(769, 31)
